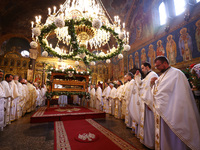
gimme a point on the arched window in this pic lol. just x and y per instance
(179, 6)
(162, 13)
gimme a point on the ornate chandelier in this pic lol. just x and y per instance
(83, 26)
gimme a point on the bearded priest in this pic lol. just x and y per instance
(147, 125)
(177, 119)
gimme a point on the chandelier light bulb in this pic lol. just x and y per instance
(120, 56)
(92, 63)
(127, 47)
(33, 44)
(45, 54)
(76, 63)
(108, 61)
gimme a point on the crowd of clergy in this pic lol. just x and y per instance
(18, 97)
(160, 110)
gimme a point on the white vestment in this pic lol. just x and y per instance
(118, 102)
(128, 94)
(92, 97)
(15, 101)
(21, 102)
(99, 100)
(134, 108)
(31, 103)
(63, 100)
(147, 125)
(26, 98)
(105, 95)
(176, 109)
(111, 98)
(124, 100)
(9, 96)
(43, 95)
(2, 100)
(39, 97)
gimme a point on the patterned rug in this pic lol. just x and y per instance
(86, 134)
(69, 112)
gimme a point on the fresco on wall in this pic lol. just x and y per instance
(181, 45)
(197, 34)
(151, 55)
(185, 45)
(131, 64)
(137, 60)
(143, 56)
(160, 49)
(171, 50)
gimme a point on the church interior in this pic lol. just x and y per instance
(59, 51)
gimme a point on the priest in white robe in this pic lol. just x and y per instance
(147, 125)
(21, 102)
(16, 98)
(92, 96)
(123, 97)
(111, 98)
(2, 100)
(9, 97)
(128, 94)
(99, 100)
(177, 119)
(26, 96)
(118, 102)
(134, 106)
(105, 95)
(31, 103)
(39, 96)
(43, 94)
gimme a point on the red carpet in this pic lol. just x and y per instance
(65, 113)
(86, 135)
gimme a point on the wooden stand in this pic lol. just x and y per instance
(77, 83)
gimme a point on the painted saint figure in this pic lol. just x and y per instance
(171, 50)
(130, 62)
(160, 49)
(197, 35)
(185, 45)
(137, 60)
(143, 56)
(151, 55)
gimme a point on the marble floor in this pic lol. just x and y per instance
(22, 135)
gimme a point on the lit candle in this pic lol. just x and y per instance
(54, 9)
(32, 23)
(119, 22)
(127, 34)
(123, 25)
(49, 11)
(39, 19)
(115, 18)
(61, 7)
(36, 19)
